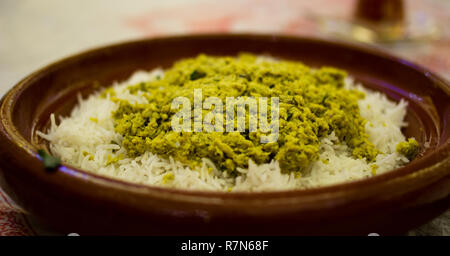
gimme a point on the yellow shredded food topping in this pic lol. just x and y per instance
(313, 103)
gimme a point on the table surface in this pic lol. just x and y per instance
(36, 33)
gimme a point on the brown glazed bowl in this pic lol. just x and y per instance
(72, 200)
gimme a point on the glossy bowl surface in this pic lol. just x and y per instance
(72, 200)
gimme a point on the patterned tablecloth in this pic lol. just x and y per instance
(35, 33)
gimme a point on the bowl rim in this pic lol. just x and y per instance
(27, 149)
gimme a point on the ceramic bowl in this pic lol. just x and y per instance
(71, 200)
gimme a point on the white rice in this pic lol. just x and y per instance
(84, 140)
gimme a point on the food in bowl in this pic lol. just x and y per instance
(188, 127)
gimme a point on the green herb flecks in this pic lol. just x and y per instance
(50, 162)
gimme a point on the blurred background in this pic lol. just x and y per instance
(34, 33)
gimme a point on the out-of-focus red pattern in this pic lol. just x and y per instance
(13, 222)
(235, 16)
(293, 17)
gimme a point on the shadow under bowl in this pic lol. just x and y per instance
(72, 200)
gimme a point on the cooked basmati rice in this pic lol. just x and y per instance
(87, 140)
